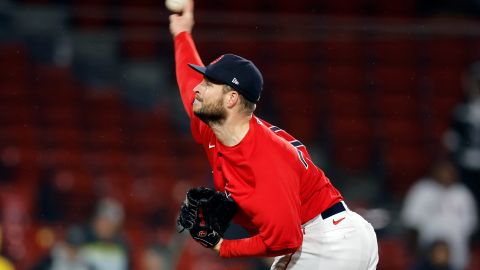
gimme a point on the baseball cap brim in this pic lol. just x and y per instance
(203, 71)
(199, 69)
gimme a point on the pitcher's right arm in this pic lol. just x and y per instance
(185, 53)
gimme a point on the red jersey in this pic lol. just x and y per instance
(269, 174)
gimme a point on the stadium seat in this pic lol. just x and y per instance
(343, 128)
(342, 76)
(394, 130)
(396, 9)
(62, 137)
(353, 156)
(140, 48)
(445, 81)
(393, 254)
(64, 157)
(405, 164)
(395, 79)
(351, 138)
(394, 51)
(344, 49)
(344, 7)
(286, 75)
(348, 102)
(241, 6)
(14, 62)
(61, 115)
(90, 14)
(300, 7)
(446, 52)
(14, 113)
(396, 105)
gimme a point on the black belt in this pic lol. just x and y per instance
(332, 210)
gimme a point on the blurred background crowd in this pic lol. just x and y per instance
(95, 150)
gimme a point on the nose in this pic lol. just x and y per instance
(197, 88)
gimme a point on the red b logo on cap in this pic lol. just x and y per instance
(202, 234)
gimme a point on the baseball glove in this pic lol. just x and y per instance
(206, 213)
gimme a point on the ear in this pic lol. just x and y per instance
(232, 99)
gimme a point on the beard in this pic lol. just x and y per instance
(213, 113)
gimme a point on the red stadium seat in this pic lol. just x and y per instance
(397, 105)
(345, 49)
(347, 102)
(141, 3)
(247, 5)
(298, 108)
(299, 75)
(285, 6)
(106, 139)
(18, 134)
(63, 137)
(90, 14)
(245, 47)
(395, 51)
(61, 115)
(344, 7)
(13, 114)
(14, 62)
(405, 164)
(473, 49)
(140, 48)
(105, 110)
(13, 93)
(474, 257)
(446, 52)
(401, 130)
(351, 129)
(55, 85)
(396, 9)
(395, 79)
(353, 156)
(445, 81)
(393, 254)
(342, 76)
(290, 51)
(352, 141)
(63, 157)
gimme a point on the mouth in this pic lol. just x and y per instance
(197, 101)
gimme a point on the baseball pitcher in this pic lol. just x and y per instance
(264, 178)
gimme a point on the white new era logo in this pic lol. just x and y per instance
(235, 81)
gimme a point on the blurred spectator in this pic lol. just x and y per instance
(437, 257)
(440, 207)
(105, 247)
(463, 138)
(5, 264)
(157, 258)
(9, 164)
(50, 197)
(66, 254)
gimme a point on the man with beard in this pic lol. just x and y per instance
(286, 203)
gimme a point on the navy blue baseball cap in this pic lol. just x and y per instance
(237, 72)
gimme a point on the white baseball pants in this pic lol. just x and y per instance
(344, 241)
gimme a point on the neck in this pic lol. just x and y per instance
(231, 131)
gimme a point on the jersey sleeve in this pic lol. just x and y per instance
(186, 53)
(273, 205)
